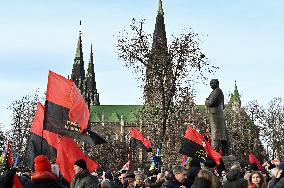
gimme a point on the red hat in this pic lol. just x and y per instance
(41, 163)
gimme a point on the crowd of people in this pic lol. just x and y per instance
(47, 175)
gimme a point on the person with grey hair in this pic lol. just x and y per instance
(178, 180)
(159, 181)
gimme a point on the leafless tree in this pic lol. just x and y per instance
(272, 127)
(167, 74)
(243, 131)
(2, 136)
(23, 111)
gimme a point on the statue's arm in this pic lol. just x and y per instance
(212, 100)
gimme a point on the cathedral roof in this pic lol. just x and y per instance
(114, 113)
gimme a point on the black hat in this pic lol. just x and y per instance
(81, 163)
(130, 175)
(27, 170)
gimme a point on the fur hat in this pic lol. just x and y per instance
(41, 163)
(140, 175)
(81, 163)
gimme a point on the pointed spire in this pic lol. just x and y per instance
(79, 51)
(236, 92)
(235, 96)
(91, 55)
(160, 8)
(159, 36)
(78, 71)
(92, 94)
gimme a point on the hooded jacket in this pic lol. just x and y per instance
(43, 179)
(235, 180)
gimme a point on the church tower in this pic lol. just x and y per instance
(159, 36)
(92, 96)
(235, 98)
(86, 83)
(78, 71)
(158, 64)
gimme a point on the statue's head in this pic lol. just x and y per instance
(214, 83)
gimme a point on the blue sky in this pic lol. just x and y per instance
(244, 38)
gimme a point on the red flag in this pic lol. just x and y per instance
(67, 153)
(135, 134)
(63, 92)
(8, 162)
(254, 160)
(126, 166)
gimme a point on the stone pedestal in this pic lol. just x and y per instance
(228, 160)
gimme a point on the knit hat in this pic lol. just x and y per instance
(140, 175)
(41, 163)
(81, 163)
(281, 165)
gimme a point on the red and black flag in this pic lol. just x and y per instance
(95, 137)
(41, 141)
(65, 107)
(55, 147)
(66, 112)
(137, 139)
(196, 147)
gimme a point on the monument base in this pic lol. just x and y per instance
(228, 160)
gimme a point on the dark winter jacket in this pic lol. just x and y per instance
(84, 180)
(192, 173)
(25, 179)
(201, 183)
(235, 180)
(43, 179)
(171, 184)
(156, 184)
(6, 180)
(276, 182)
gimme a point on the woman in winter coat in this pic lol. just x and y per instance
(256, 180)
(43, 176)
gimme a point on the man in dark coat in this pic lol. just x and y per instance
(26, 177)
(43, 176)
(278, 180)
(178, 179)
(235, 178)
(215, 106)
(83, 178)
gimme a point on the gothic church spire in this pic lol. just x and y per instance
(78, 71)
(92, 96)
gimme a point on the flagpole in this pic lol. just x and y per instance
(44, 122)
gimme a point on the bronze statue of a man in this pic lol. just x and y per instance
(215, 106)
